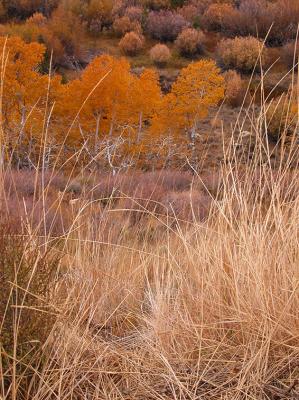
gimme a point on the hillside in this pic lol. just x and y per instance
(149, 200)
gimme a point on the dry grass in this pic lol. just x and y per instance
(146, 308)
(165, 286)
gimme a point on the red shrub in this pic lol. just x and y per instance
(190, 12)
(170, 180)
(145, 200)
(158, 4)
(165, 25)
(276, 20)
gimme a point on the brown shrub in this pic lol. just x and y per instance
(234, 88)
(274, 20)
(144, 199)
(134, 13)
(190, 42)
(160, 54)
(218, 17)
(165, 25)
(290, 53)
(188, 205)
(123, 25)
(282, 119)
(190, 12)
(26, 280)
(131, 43)
(242, 53)
(104, 185)
(63, 35)
(35, 201)
(37, 19)
(157, 4)
(277, 20)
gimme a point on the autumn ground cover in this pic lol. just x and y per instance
(161, 285)
(149, 232)
(169, 284)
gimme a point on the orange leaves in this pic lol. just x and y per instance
(25, 90)
(108, 101)
(198, 87)
(108, 97)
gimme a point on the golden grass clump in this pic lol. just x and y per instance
(158, 285)
(146, 308)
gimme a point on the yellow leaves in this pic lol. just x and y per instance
(112, 98)
(106, 100)
(198, 87)
(25, 89)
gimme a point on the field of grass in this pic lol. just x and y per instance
(146, 258)
(158, 285)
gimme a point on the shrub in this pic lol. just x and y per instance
(217, 16)
(25, 284)
(131, 43)
(124, 25)
(98, 13)
(290, 54)
(160, 54)
(190, 42)
(241, 53)
(25, 8)
(277, 20)
(157, 4)
(165, 25)
(190, 12)
(282, 118)
(37, 19)
(188, 205)
(234, 89)
(134, 13)
(202, 5)
(63, 35)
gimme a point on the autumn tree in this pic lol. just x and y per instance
(107, 102)
(61, 33)
(146, 99)
(27, 94)
(199, 87)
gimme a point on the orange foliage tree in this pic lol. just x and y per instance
(26, 93)
(108, 102)
(199, 87)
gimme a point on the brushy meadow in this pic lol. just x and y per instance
(153, 285)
